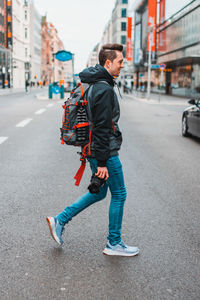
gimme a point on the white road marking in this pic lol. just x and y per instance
(24, 123)
(50, 105)
(3, 139)
(40, 111)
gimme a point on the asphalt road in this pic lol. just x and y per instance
(161, 215)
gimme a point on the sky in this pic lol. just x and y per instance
(80, 24)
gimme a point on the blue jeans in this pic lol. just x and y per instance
(117, 188)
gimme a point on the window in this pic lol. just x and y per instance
(123, 26)
(123, 39)
(25, 14)
(26, 52)
(123, 14)
(124, 1)
(26, 33)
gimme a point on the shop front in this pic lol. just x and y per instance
(5, 68)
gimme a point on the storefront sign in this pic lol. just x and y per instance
(162, 35)
(129, 48)
(152, 7)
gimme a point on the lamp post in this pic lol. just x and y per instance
(73, 79)
(150, 30)
(61, 55)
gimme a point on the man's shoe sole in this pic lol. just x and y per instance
(111, 252)
(51, 224)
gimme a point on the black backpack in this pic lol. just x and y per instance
(76, 127)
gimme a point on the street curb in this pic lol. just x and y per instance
(153, 101)
(11, 92)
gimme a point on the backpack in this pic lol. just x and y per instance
(76, 127)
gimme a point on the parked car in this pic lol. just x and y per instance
(191, 119)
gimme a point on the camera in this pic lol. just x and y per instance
(95, 184)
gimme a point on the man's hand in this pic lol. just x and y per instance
(102, 172)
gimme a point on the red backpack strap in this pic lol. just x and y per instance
(81, 86)
(80, 172)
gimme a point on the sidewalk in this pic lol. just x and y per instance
(157, 98)
(10, 91)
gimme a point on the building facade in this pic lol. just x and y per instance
(119, 23)
(27, 40)
(93, 57)
(5, 43)
(35, 44)
(178, 47)
(53, 70)
(144, 13)
(20, 38)
(46, 52)
(176, 54)
(107, 37)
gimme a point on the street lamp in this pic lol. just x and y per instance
(63, 56)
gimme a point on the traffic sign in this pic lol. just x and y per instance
(162, 66)
(63, 55)
(155, 67)
(56, 89)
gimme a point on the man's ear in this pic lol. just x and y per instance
(107, 63)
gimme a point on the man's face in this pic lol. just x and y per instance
(114, 67)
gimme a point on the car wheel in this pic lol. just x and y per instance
(184, 126)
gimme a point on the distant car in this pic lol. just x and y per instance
(191, 119)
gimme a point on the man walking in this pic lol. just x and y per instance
(105, 144)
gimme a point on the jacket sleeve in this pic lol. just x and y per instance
(102, 119)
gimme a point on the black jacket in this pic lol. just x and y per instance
(104, 106)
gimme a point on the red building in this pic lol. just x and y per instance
(52, 69)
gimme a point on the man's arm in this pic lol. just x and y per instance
(102, 117)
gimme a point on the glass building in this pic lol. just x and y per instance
(178, 47)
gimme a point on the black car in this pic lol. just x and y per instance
(191, 119)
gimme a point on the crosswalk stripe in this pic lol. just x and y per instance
(40, 111)
(24, 123)
(50, 105)
(3, 139)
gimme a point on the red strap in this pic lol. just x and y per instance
(82, 93)
(81, 125)
(81, 170)
(90, 137)
(113, 127)
(79, 173)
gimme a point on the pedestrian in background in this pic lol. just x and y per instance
(104, 160)
(27, 85)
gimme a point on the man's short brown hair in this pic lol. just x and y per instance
(108, 51)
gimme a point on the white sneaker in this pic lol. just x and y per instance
(120, 249)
